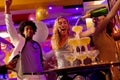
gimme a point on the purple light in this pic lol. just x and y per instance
(50, 7)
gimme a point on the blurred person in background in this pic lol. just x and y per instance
(9, 47)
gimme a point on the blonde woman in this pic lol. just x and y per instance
(61, 34)
(59, 40)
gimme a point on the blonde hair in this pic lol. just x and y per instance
(56, 37)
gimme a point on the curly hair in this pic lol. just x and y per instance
(26, 23)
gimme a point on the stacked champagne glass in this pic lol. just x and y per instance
(79, 42)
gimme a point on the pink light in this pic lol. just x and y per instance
(31, 17)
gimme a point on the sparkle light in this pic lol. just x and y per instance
(76, 8)
(50, 8)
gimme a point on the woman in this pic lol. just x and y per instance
(61, 34)
(59, 40)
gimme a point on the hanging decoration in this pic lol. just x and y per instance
(41, 13)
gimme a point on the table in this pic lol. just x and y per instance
(84, 70)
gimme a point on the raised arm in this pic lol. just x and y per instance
(109, 17)
(114, 10)
(9, 23)
(88, 32)
(7, 6)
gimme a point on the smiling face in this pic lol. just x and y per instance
(28, 32)
(63, 26)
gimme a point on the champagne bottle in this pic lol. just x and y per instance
(99, 12)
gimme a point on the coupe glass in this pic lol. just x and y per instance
(84, 41)
(70, 57)
(74, 43)
(92, 55)
(81, 57)
(77, 30)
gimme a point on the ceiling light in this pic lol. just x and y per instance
(76, 8)
(50, 8)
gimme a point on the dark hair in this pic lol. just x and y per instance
(26, 23)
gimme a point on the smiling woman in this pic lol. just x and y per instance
(59, 40)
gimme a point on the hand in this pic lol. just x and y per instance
(7, 6)
(8, 3)
(87, 14)
(12, 64)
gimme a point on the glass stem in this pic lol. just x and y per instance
(71, 63)
(80, 49)
(82, 62)
(86, 48)
(74, 49)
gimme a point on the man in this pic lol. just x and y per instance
(29, 64)
(103, 40)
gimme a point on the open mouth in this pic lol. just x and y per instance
(63, 29)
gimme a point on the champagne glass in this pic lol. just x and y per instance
(70, 57)
(84, 42)
(92, 55)
(81, 57)
(74, 43)
(77, 30)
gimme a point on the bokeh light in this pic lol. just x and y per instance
(41, 13)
